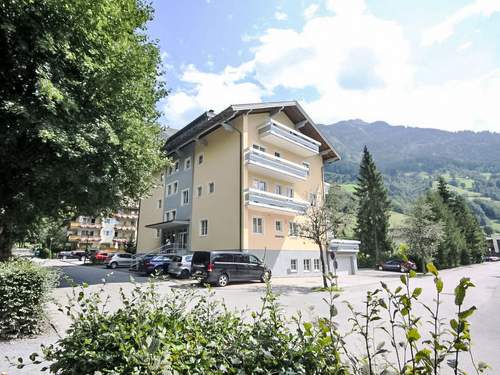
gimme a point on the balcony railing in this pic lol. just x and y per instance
(269, 201)
(273, 166)
(286, 137)
(77, 224)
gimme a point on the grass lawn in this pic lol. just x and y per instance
(397, 219)
(348, 187)
(495, 224)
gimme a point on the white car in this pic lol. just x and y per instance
(118, 260)
(180, 266)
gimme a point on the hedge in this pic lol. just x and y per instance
(24, 289)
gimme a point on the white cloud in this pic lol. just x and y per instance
(311, 10)
(464, 46)
(444, 30)
(210, 91)
(280, 16)
(360, 66)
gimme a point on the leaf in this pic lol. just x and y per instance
(416, 292)
(403, 279)
(439, 284)
(432, 269)
(412, 335)
(465, 314)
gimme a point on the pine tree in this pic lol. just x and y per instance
(373, 210)
(443, 190)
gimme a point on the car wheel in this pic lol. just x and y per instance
(266, 276)
(222, 280)
(380, 268)
(113, 265)
(184, 274)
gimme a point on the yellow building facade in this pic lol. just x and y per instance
(241, 180)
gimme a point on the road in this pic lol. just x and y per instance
(297, 295)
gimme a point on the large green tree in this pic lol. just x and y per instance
(78, 93)
(373, 210)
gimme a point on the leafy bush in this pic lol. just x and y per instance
(24, 289)
(186, 332)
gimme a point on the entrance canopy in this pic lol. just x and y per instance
(172, 224)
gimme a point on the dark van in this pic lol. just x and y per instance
(222, 267)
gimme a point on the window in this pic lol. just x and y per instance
(293, 265)
(277, 154)
(176, 187)
(211, 187)
(308, 166)
(107, 233)
(185, 197)
(312, 199)
(157, 233)
(107, 221)
(316, 265)
(260, 185)
(204, 227)
(253, 259)
(201, 158)
(307, 265)
(187, 163)
(293, 229)
(278, 189)
(176, 165)
(162, 177)
(169, 189)
(224, 258)
(200, 190)
(241, 258)
(170, 170)
(258, 227)
(159, 203)
(278, 225)
(289, 192)
(170, 215)
(258, 147)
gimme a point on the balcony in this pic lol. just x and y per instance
(270, 165)
(125, 227)
(288, 138)
(269, 202)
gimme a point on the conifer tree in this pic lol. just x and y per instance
(373, 210)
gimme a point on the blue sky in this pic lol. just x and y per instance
(426, 63)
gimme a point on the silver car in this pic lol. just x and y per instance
(180, 266)
(118, 260)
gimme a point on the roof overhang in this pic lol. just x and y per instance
(172, 224)
(208, 122)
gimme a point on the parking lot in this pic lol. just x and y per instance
(296, 294)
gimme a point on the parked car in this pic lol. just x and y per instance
(76, 254)
(157, 265)
(100, 256)
(220, 268)
(118, 260)
(397, 265)
(180, 266)
(139, 261)
(491, 258)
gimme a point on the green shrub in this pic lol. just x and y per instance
(24, 289)
(187, 332)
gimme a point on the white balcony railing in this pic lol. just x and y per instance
(291, 139)
(270, 201)
(273, 166)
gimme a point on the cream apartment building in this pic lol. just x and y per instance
(240, 180)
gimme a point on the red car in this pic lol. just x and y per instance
(101, 256)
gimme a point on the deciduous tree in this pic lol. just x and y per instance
(78, 93)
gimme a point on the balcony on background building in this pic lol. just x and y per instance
(269, 165)
(285, 137)
(270, 202)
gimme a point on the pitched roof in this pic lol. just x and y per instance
(208, 121)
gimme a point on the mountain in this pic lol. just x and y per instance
(411, 159)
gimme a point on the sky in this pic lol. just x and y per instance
(426, 63)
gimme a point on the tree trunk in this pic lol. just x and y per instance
(424, 269)
(6, 243)
(323, 270)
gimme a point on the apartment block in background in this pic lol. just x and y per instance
(241, 180)
(104, 233)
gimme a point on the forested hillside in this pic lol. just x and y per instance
(411, 160)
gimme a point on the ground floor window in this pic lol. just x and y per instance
(257, 225)
(307, 265)
(316, 265)
(204, 227)
(279, 226)
(293, 265)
